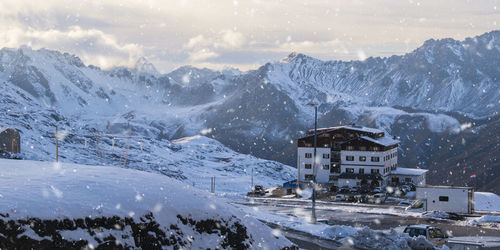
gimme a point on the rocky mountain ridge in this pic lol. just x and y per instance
(427, 97)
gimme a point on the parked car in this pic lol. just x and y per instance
(344, 190)
(258, 190)
(365, 189)
(379, 198)
(398, 192)
(431, 233)
(351, 198)
(404, 203)
(377, 190)
(361, 198)
(340, 197)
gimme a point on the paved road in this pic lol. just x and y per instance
(380, 221)
(345, 216)
(307, 241)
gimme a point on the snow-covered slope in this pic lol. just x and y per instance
(49, 205)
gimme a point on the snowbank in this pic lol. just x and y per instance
(485, 201)
(492, 221)
(77, 206)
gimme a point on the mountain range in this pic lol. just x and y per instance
(441, 100)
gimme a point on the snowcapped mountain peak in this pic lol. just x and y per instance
(144, 66)
(294, 56)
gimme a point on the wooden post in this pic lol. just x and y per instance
(128, 147)
(57, 145)
(252, 180)
(212, 185)
(98, 147)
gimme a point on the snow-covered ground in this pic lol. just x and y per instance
(96, 204)
(485, 201)
(347, 236)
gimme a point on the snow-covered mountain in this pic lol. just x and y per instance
(437, 92)
(116, 118)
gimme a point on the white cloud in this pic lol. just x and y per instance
(201, 48)
(202, 55)
(231, 39)
(197, 41)
(93, 45)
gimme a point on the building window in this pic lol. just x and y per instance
(349, 158)
(332, 178)
(326, 156)
(375, 158)
(443, 198)
(350, 148)
(309, 155)
(362, 158)
(308, 166)
(349, 170)
(361, 170)
(326, 167)
(408, 180)
(334, 169)
(375, 171)
(309, 177)
(375, 148)
(362, 148)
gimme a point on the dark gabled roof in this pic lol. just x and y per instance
(360, 176)
(348, 127)
(382, 141)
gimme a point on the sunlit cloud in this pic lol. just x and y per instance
(201, 48)
(240, 34)
(94, 46)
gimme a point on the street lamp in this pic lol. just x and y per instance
(315, 105)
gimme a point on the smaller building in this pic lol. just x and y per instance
(291, 186)
(10, 141)
(415, 176)
(447, 198)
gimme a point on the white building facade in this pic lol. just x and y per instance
(447, 198)
(348, 156)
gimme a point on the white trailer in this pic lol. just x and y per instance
(447, 198)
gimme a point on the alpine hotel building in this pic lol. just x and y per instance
(353, 156)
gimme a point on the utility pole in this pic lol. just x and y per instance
(98, 147)
(212, 185)
(252, 180)
(298, 178)
(313, 219)
(128, 147)
(57, 144)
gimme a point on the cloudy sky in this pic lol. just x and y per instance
(232, 33)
